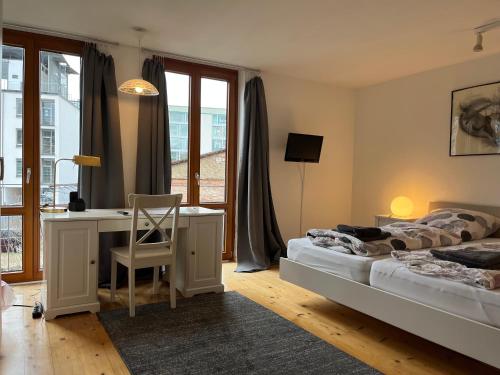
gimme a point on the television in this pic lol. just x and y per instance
(303, 148)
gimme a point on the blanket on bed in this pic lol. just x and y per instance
(403, 236)
(424, 263)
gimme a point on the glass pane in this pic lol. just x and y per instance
(59, 124)
(213, 140)
(11, 193)
(11, 243)
(178, 87)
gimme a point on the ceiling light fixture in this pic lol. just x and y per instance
(480, 30)
(138, 86)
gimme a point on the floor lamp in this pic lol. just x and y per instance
(303, 148)
(81, 160)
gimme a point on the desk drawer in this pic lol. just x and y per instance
(124, 225)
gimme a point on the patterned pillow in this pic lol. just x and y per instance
(469, 225)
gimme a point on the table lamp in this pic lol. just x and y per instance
(81, 160)
(402, 207)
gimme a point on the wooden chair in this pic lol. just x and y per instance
(140, 254)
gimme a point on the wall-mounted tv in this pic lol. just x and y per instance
(303, 148)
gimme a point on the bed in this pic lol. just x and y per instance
(459, 317)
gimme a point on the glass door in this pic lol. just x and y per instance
(202, 115)
(16, 193)
(40, 123)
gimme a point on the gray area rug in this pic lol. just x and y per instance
(222, 333)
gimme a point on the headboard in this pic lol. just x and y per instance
(492, 210)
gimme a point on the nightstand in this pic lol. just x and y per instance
(381, 220)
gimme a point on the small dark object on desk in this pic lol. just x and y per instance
(75, 203)
(123, 212)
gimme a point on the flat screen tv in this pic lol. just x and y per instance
(303, 148)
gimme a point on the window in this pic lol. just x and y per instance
(178, 116)
(19, 137)
(19, 107)
(48, 142)
(47, 171)
(19, 167)
(219, 119)
(48, 112)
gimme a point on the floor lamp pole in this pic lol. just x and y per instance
(303, 177)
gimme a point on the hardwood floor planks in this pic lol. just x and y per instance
(78, 344)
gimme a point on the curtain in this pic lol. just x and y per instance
(259, 240)
(154, 170)
(100, 136)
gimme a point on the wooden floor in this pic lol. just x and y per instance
(78, 344)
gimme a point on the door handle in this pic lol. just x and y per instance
(197, 177)
(1, 168)
(28, 175)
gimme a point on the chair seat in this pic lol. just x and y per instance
(124, 252)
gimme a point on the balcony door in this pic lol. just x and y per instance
(202, 106)
(40, 123)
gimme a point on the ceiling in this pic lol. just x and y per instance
(350, 43)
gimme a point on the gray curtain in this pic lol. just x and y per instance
(259, 239)
(100, 136)
(154, 170)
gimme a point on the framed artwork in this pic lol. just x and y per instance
(475, 120)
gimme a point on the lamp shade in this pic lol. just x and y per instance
(87, 161)
(138, 87)
(402, 206)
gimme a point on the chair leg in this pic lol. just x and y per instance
(131, 291)
(113, 277)
(156, 281)
(173, 289)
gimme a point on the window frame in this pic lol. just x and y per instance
(197, 72)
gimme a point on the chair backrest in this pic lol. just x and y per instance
(167, 205)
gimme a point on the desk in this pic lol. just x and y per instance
(70, 244)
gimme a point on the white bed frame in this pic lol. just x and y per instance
(466, 336)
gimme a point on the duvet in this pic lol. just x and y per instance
(404, 236)
(424, 263)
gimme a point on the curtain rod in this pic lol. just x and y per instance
(61, 34)
(84, 38)
(200, 61)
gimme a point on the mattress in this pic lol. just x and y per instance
(353, 267)
(474, 303)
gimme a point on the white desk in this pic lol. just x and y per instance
(71, 252)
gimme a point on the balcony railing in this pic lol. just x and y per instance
(45, 88)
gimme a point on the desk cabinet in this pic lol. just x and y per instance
(70, 267)
(199, 266)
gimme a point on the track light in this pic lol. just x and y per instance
(478, 47)
(480, 30)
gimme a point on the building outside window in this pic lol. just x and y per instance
(48, 112)
(47, 171)
(19, 107)
(19, 167)
(19, 137)
(48, 142)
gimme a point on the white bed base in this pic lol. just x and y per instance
(474, 339)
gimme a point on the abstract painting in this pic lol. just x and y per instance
(475, 120)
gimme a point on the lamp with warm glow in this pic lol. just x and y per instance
(82, 160)
(402, 207)
(138, 86)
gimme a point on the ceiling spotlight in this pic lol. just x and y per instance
(478, 47)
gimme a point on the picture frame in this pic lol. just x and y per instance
(475, 120)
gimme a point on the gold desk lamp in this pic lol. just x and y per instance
(81, 160)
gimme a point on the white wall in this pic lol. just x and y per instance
(307, 107)
(293, 106)
(402, 142)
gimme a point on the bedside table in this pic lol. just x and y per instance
(381, 220)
